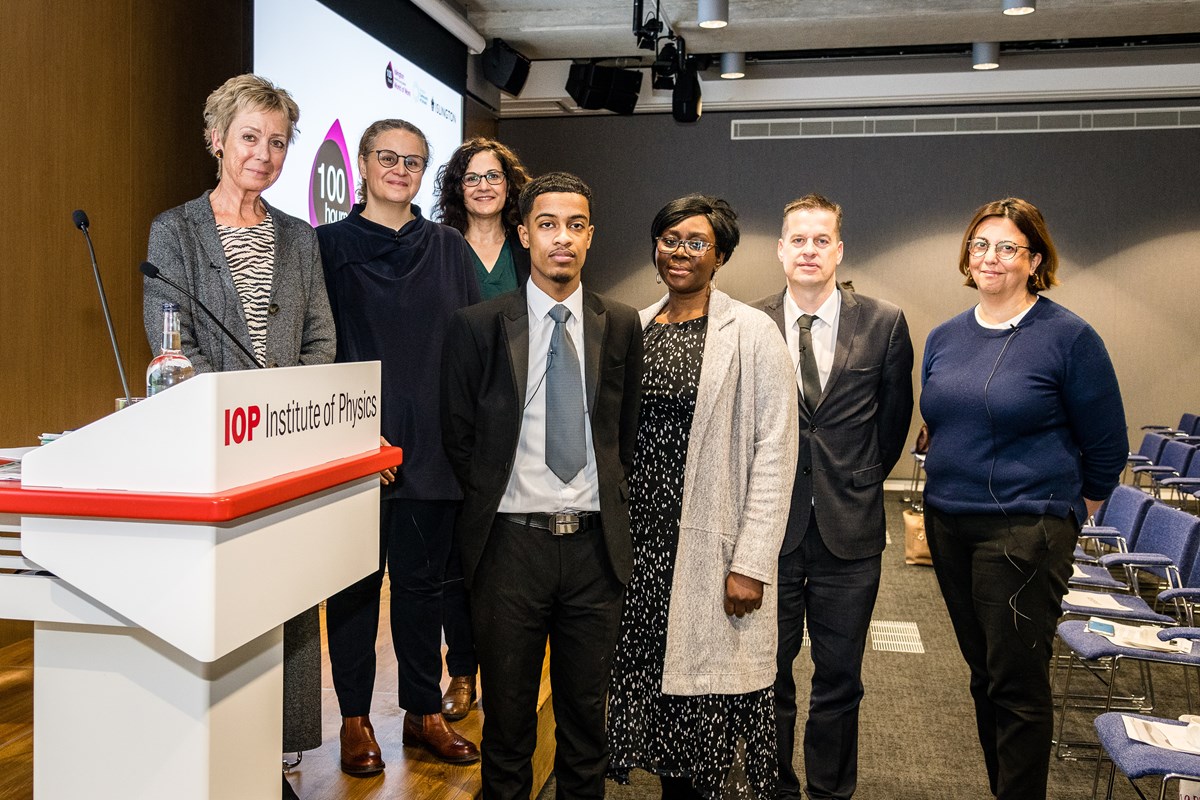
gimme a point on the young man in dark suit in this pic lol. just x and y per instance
(540, 393)
(854, 361)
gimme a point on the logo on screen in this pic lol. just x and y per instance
(331, 182)
(394, 79)
(442, 111)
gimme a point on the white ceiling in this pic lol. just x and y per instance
(554, 33)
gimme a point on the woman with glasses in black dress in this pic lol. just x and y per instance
(394, 278)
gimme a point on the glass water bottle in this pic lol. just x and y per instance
(170, 366)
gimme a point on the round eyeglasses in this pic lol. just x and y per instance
(1005, 251)
(493, 177)
(390, 158)
(694, 247)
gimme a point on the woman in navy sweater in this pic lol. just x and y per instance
(1027, 440)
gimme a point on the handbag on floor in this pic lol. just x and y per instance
(916, 548)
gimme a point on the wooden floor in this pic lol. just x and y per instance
(16, 720)
(411, 772)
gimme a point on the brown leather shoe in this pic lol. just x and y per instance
(459, 697)
(431, 732)
(360, 751)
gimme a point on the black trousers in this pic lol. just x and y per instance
(531, 586)
(414, 545)
(835, 597)
(456, 621)
(1003, 580)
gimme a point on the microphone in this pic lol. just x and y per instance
(153, 272)
(80, 218)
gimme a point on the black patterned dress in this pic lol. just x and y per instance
(697, 737)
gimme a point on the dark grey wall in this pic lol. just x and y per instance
(1122, 206)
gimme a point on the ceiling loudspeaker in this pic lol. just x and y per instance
(504, 67)
(593, 87)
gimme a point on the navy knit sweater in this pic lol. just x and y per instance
(1025, 420)
(392, 294)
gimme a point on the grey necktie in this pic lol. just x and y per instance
(565, 449)
(810, 378)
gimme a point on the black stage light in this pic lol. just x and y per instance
(661, 80)
(685, 99)
(667, 60)
(648, 32)
(592, 86)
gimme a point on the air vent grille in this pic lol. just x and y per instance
(958, 124)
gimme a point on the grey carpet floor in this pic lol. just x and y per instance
(917, 732)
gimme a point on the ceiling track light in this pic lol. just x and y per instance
(713, 13)
(686, 101)
(1017, 8)
(985, 55)
(733, 65)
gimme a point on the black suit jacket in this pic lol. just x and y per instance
(484, 376)
(854, 437)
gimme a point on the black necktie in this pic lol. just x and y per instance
(810, 378)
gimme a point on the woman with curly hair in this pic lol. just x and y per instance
(477, 196)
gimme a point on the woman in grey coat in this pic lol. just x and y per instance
(710, 493)
(259, 270)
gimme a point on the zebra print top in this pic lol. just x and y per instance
(251, 256)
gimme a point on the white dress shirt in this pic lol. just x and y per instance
(824, 334)
(532, 486)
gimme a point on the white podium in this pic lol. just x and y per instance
(180, 534)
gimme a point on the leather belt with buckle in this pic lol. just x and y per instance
(562, 524)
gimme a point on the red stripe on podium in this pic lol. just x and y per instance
(219, 507)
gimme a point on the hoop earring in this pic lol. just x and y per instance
(657, 276)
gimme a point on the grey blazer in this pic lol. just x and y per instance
(185, 246)
(854, 437)
(737, 484)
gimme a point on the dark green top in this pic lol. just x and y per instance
(502, 278)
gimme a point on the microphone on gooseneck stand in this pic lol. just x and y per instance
(81, 221)
(153, 272)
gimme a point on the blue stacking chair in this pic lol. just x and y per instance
(1189, 425)
(1149, 451)
(1137, 760)
(1103, 659)
(1186, 485)
(1100, 657)
(1166, 544)
(1173, 462)
(1117, 524)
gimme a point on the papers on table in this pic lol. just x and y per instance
(1138, 637)
(1180, 738)
(10, 469)
(1101, 600)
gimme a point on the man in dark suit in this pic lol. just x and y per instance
(854, 362)
(540, 393)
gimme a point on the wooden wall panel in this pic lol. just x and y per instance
(101, 111)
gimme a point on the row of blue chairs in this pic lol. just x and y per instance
(1167, 463)
(1146, 556)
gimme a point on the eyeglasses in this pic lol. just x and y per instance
(694, 247)
(390, 158)
(493, 177)
(1005, 251)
